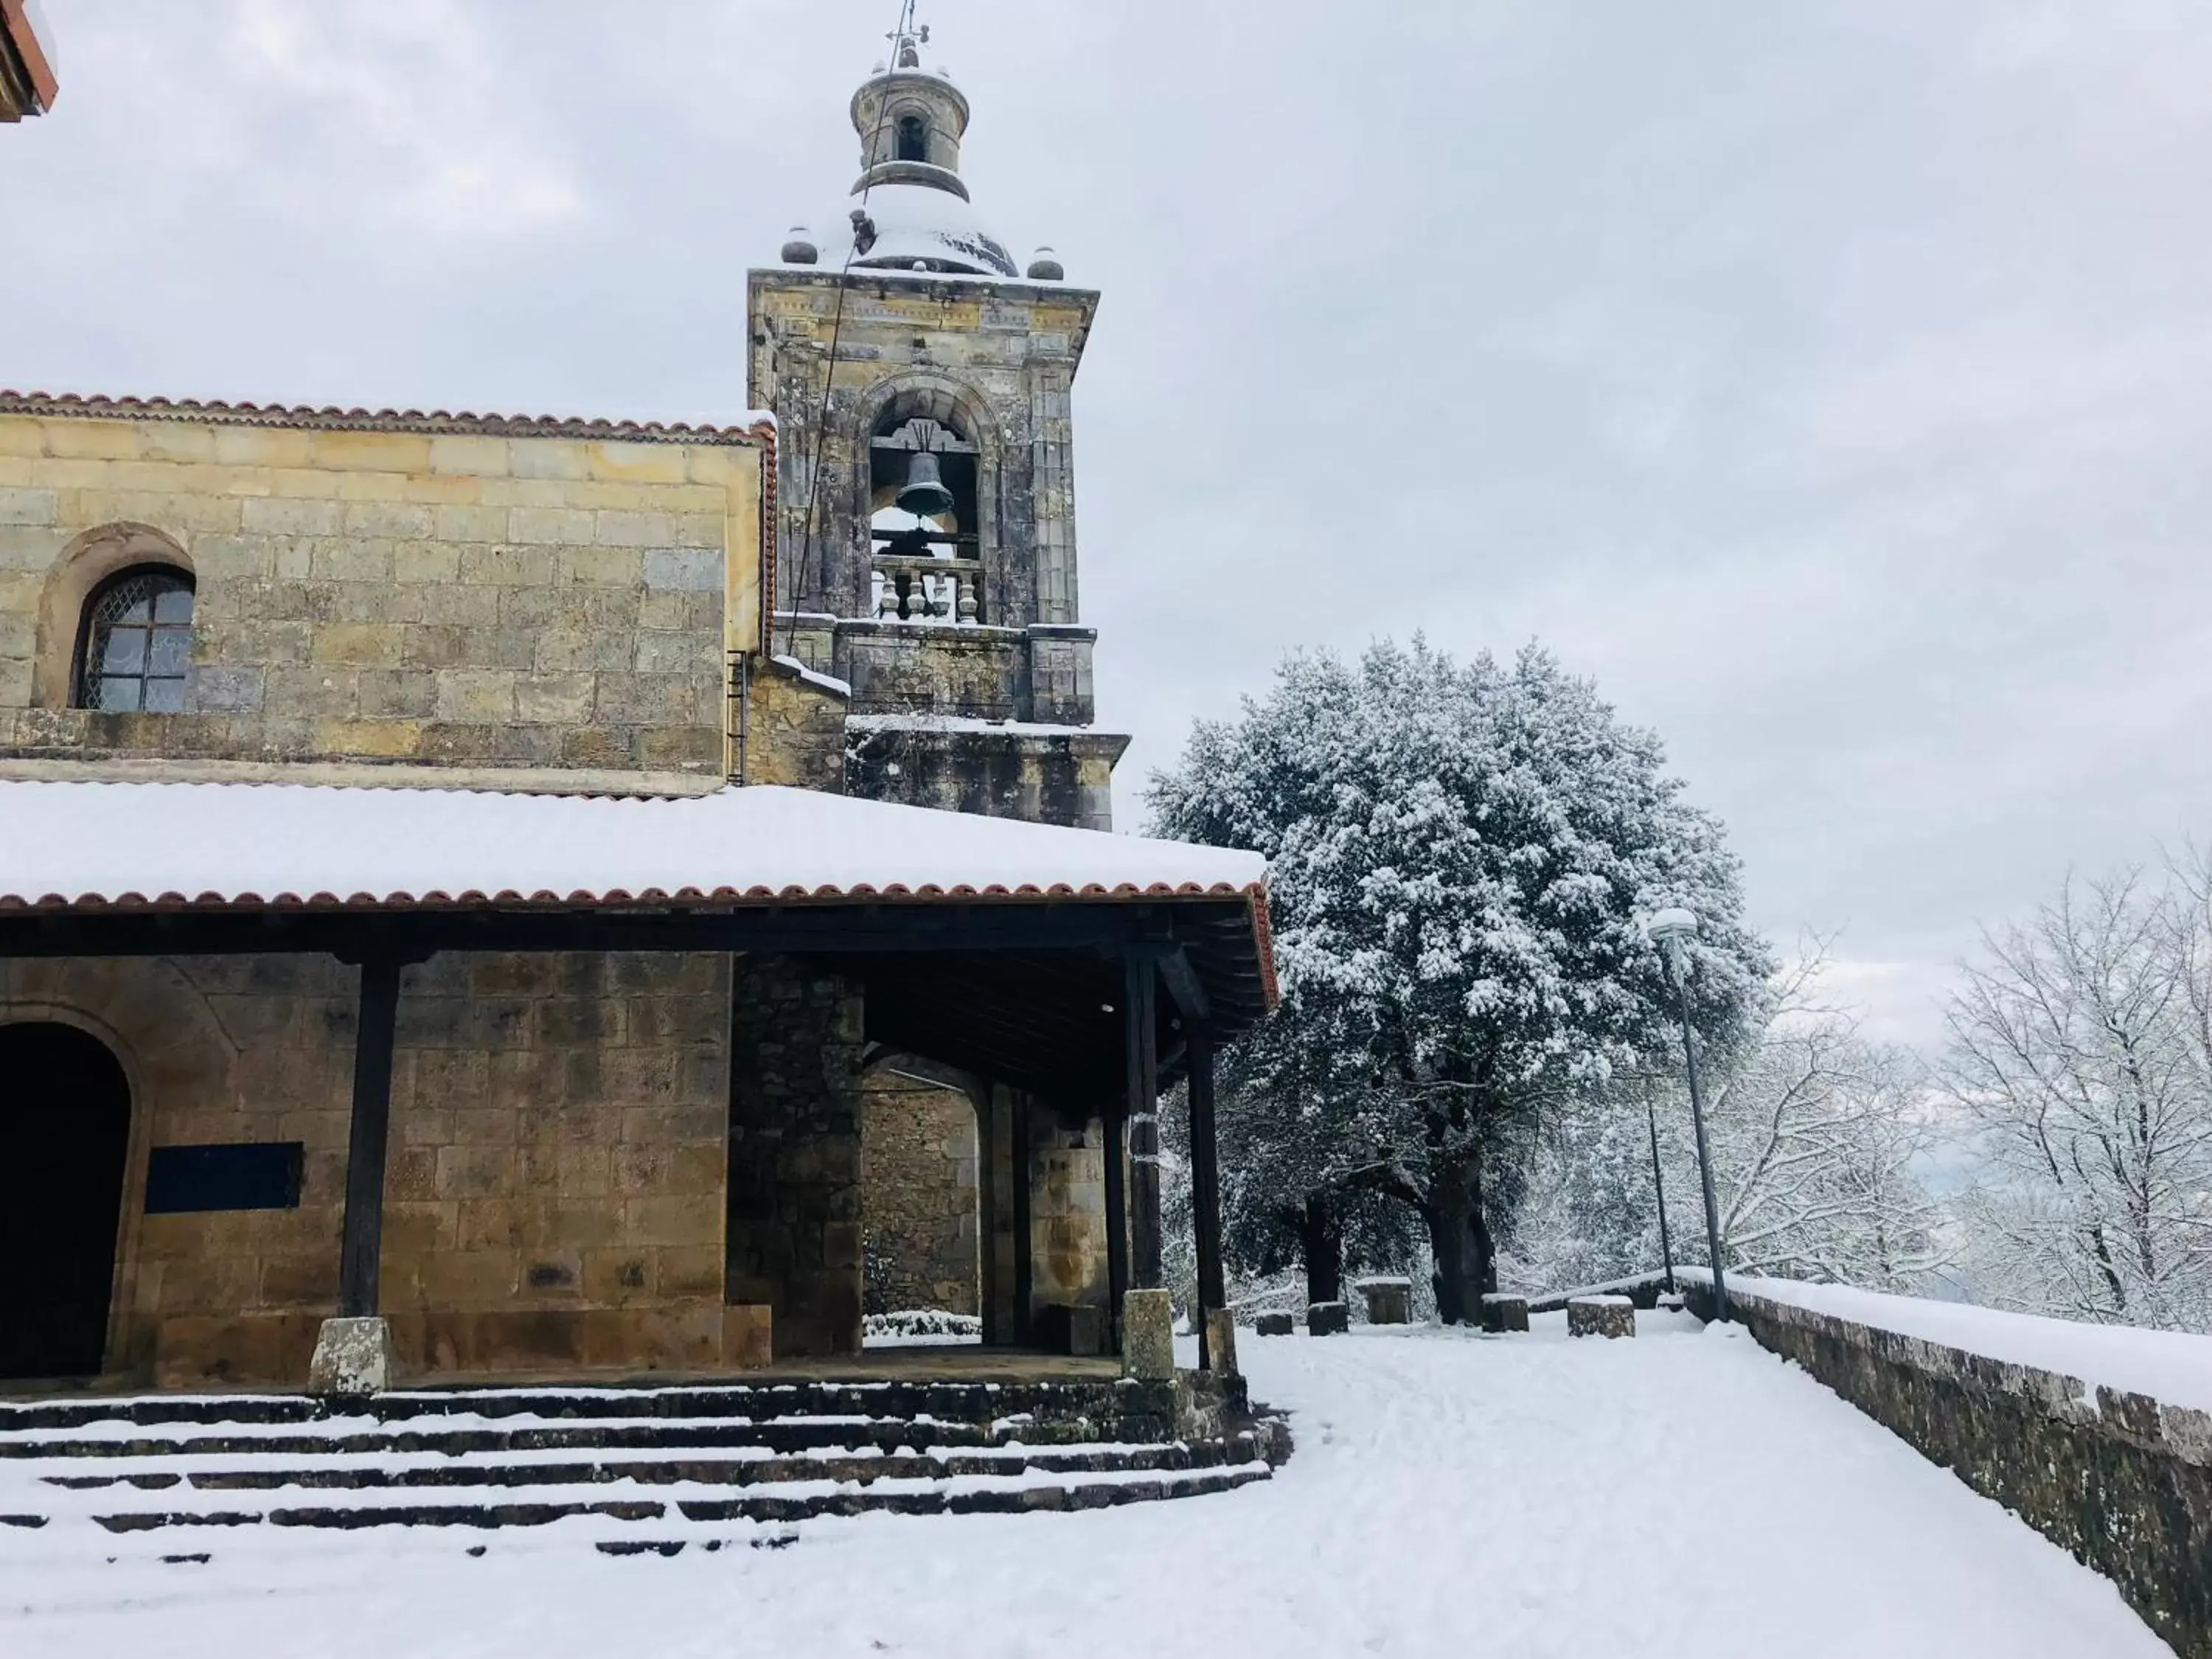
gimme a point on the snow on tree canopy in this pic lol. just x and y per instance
(1460, 857)
(1473, 842)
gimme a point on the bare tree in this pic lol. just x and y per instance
(2082, 1045)
(1819, 1138)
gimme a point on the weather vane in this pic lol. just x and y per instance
(907, 41)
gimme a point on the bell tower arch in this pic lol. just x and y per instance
(926, 546)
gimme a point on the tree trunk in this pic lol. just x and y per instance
(1321, 1242)
(1460, 1241)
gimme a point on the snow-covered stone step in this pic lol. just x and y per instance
(349, 1436)
(368, 1474)
(1044, 1400)
(804, 1500)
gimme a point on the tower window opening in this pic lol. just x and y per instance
(922, 521)
(913, 138)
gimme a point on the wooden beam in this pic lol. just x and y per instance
(1140, 1025)
(370, 1136)
(1025, 1179)
(1117, 1222)
(989, 1223)
(1205, 1189)
(852, 929)
(1183, 983)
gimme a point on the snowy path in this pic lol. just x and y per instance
(1683, 1494)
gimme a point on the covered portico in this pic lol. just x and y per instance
(543, 1134)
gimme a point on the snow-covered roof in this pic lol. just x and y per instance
(916, 223)
(174, 846)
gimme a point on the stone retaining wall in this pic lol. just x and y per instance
(2121, 1480)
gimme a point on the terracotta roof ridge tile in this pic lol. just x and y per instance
(757, 425)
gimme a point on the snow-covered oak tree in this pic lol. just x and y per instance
(2081, 1044)
(1459, 857)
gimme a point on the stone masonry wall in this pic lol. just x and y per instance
(794, 1153)
(454, 597)
(2122, 1481)
(1061, 777)
(918, 1186)
(1067, 1209)
(554, 1192)
(995, 361)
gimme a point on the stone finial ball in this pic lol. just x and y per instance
(798, 248)
(1045, 267)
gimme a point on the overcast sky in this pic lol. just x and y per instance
(1832, 382)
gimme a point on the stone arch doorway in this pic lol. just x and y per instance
(919, 1195)
(64, 1138)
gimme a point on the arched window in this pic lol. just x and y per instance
(135, 642)
(913, 138)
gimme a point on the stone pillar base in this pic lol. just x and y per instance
(1221, 1341)
(1327, 1319)
(1147, 1335)
(352, 1357)
(748, 1336)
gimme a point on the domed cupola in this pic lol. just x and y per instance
(910, 207)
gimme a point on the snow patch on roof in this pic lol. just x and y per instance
(915, 224)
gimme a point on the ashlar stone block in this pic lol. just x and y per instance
(1601, 1315)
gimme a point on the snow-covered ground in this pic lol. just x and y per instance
(1683, 1494)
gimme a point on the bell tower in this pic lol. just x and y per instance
(925, 546)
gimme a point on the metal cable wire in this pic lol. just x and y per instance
(900, 34)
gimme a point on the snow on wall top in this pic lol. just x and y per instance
(170, 845)
(2172, 1367)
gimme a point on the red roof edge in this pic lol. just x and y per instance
(760, 429)
(31, 52)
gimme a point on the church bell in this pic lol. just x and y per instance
(924, 494)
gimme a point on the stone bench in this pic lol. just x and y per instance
(1274, 1324)
(1389, 1300)
(1601, 1315)
(1505, 1313)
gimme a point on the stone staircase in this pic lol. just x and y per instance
(649, 1468)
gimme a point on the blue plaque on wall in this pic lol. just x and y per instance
(253, 1175)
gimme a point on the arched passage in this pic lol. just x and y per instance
(64, 1135)
(919, 1195)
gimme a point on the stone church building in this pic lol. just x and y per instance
(491, 896)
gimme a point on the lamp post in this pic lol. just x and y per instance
(1659, 1186)
(1671, 929)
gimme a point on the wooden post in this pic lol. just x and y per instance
(1017, 1162)
(988, 1218)
(369, 1135)
(1141, 1072)
(1205, 1189)
(1117, 1222)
